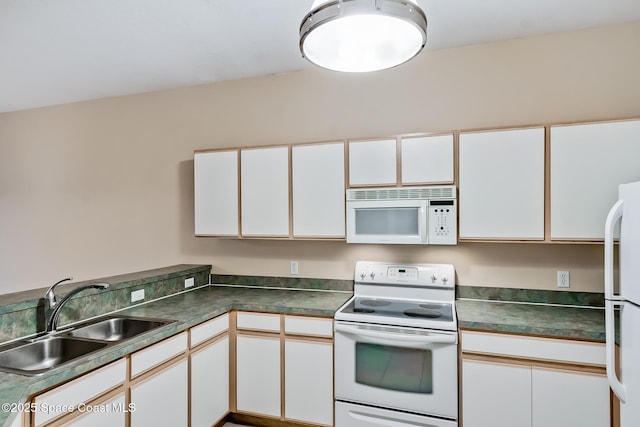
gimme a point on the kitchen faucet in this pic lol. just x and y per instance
(53, 306)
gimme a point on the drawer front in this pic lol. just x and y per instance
(80, 390)
(534, 348)
(158, 353)
(209, 329)
(258, 321)
(312, 326)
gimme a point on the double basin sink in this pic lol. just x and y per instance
(41, 354)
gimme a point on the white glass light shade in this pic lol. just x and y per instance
(362, 35)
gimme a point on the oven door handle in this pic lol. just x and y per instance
(398, 340)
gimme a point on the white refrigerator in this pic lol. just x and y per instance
(624, 381)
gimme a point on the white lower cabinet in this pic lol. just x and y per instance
(496, 395)
(162, 398)
(284, 367)
(308, 381)
(564, 398)
(111, 413)
(283, 370)
(78, 392)
(550, 383)
(210, 383)
(258, 375)
(504, 395)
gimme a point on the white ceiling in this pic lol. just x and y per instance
(59, 51)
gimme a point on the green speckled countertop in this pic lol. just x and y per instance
(188, 309)
(584, 323)
(204, 303)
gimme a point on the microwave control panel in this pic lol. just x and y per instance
(442, 222)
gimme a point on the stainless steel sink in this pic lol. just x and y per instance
(39, 356)
(117, 328)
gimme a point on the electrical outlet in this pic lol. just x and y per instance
(188, 282)
(137, 295)
(294, 267)
(563, 279)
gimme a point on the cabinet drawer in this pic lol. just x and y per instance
(258, 321)
(209, 329)
(158, 353)
(533, 347)
(79, 390)
(297, 325)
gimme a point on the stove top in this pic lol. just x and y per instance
(414, 295)
(419, 314)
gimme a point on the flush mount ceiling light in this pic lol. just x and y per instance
(362, 35)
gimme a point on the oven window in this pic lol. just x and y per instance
(394, 368)
(396, 221)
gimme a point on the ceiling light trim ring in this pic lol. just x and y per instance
(407, 11)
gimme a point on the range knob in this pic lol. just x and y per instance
(372, 275)
(445, 280)
(362, 275)
(434, 278)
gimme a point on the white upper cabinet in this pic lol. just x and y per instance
(265, 191)
(502, 184)
(427, 159)
(588, 162)
(216, 193)
(372, 162)
(318, 190)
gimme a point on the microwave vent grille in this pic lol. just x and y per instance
(403, 193)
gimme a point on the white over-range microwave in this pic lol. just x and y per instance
(402, 215)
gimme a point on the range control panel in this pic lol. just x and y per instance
(442, 222)
(382, 273)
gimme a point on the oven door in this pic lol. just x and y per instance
(406, 369)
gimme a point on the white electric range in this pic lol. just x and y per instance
(396, 347)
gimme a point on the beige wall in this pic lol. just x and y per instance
(105, 187)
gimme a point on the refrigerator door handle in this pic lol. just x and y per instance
(615, 214)
(610, 346)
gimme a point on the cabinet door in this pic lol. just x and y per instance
(79, 390)
(372, 163)
(111, 413)
(265, 191)
(318, 190)
(155, 355)
(427, 160)
(258, 375)
(161, 399)
(502, 184)
(308, 381)
(216, 193)
(562, 398)
(496, 395)
(588, 162)
(210, 384)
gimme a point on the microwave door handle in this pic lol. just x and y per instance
(612, 218)
(395, 339)
(384, 421)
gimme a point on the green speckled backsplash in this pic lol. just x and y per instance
(588, 299)
(284, 282)
(22, 313)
